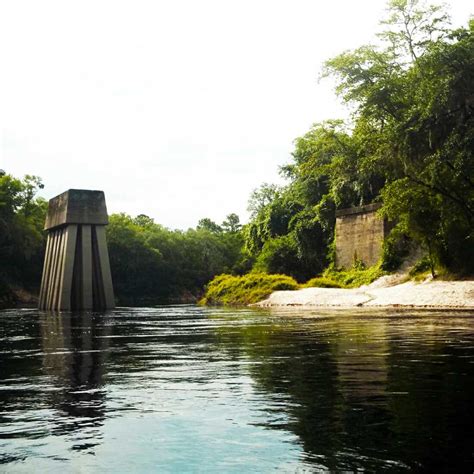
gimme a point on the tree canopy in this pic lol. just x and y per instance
(409, 145)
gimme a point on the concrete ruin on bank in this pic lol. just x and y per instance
(360, 233)
(76, 271)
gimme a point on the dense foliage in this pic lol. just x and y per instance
(151, 263)
(21, 239)
(246, 289)
(409, 145)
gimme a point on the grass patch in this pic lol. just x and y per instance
(322, 282)
(354, 277)
(229, 290)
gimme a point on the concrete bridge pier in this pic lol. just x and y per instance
(76, 271)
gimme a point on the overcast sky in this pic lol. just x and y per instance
(176, 109)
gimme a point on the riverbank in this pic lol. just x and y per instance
(427, 294)
(17, 297)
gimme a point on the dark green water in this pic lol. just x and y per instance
(186, 389)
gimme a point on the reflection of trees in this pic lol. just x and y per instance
(299, 370)
(15, 361)
(74, 349)
(360, 349)
(356, 397)
(432, 371)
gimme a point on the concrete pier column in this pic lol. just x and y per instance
(86, 280)
(67, 267)
(76, 271)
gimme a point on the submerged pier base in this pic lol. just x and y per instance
(76, 272)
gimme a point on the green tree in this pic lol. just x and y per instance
(279, 255)
(136, 266)
(152, 264)
(209, 225)
(414, 95)
(231, 223)
(262, 197)
(22, 241)
(409, 144)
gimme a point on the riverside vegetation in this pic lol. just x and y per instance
(150, 264)
(409, 144)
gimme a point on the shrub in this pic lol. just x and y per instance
(421, 269)
(229, 290)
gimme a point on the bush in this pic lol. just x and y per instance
(228, 290)
(421, 269)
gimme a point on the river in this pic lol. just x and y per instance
(189, 389)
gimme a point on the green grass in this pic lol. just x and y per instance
(354, 277)
(322, 282)
(229, 290)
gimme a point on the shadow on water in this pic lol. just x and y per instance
(369, 391)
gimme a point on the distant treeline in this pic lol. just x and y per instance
(408, 145)
(150, 264)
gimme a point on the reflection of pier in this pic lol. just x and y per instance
(75, 351)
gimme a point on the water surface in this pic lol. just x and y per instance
(187, 389)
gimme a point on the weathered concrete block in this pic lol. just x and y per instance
(77, 206)
(359, 235)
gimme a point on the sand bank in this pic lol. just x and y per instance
(381, 293)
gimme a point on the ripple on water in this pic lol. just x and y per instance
(186, 388)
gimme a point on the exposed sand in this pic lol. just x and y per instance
(385, 292)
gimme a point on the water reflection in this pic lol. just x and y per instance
(369, 391)
(192, 389)
(75, 349)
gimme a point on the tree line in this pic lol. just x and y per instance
(150, 264)
(408, 144)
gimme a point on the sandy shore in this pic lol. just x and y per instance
(381, 293)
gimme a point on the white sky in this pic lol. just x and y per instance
(176, 109)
